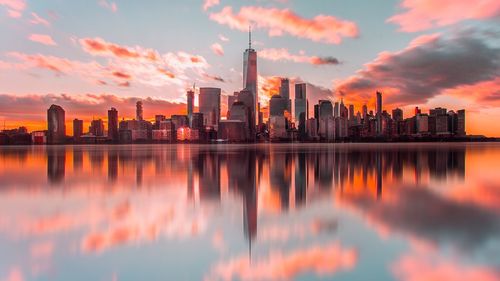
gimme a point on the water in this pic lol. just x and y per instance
(250, 212)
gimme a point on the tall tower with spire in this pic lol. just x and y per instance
(250, 73)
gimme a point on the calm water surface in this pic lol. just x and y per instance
(250, 212)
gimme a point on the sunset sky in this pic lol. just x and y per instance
(90, 55)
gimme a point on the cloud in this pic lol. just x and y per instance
(320, 260)
(36, 19)
(284, 55)
(109, 5)
(42, 39)
(207, 4)
(430, 65)
(420, 15)
(223, 38)
(32, 107)
(15, 8)
(423, 268)
(146, 67)
(277, 22)
(214, 77)
(217, 49)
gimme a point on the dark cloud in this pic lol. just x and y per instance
(427, 67)
(214, 77)
(324, 61)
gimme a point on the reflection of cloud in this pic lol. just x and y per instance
(426, 215)
(42, 250)
(320, 260)
(424, 268)
(15, 274)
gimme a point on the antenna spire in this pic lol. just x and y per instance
(249, 37)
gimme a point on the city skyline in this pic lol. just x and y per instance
(443, 59)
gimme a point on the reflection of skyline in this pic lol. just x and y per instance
(401, 192)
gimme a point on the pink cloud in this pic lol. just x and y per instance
(15, 274)
(217, 49)
(109, 5)
(320, 260)
(42, 250)
(207, 4)
(223, 38)
(15, 8)
(42, 39)
(420, 15)
(36, 19)
(284, 55)
(423, 268)
(277, 22)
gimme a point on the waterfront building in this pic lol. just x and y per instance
(209, 106)
(56, 132)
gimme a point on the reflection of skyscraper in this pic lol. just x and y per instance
(209, 176)
(242, 177)
(300, 179)
(113, 124)
(56, 133)
(250, 72)
(280, 177)
(56, 165)
(210, 106)
(112, 165)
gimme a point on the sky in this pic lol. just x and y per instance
(88, 56)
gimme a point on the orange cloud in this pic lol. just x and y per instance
(284, 55)
(320, 260)
(217, 49)
(42, 39)
(420, 15)
(322, 28)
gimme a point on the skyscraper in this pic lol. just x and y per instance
(285, 93)
(190, 106)
(138, 112)
(277, 106)
(250, 72)
(301, 110)
(77, 129)
(113, 124)
(96, 128)
(210, 106)
(397, 114)
(379, 113)
(56, 133)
